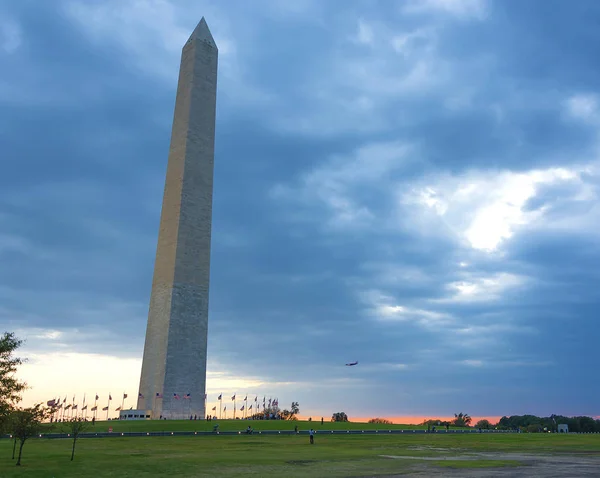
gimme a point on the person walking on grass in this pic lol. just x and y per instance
(311, 434)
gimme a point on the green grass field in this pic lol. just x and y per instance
(281, 455)
(232, 425)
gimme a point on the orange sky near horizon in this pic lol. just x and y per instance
(408, 420)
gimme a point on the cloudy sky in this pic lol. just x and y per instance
(410, 184)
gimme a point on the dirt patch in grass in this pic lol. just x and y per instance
(503, 465)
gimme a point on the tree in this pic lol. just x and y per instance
(339, 417)
(461, 420)
(485, 424)
(10, 386)
(26, 423)
(384, 421)
(534, 428)
(75, 427)
(294, 410)
(291, 413)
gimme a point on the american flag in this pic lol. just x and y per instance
(124, 396)
(214, 408)
(104, 409)
(187, 395)
(109, 396)
(175, 396)
(96, 397)
(158, 395)
(233, 398)
(220, 397)
(140, 395)
(242, 408)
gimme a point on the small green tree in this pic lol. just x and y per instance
(461, 420)
(483, 424)
(384, 421)
(10, 387)
(75, 427)
(26, 423)
(339, 417)
(294, 410)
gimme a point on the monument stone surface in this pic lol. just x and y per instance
(173, 378)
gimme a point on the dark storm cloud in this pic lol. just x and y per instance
(346, 139)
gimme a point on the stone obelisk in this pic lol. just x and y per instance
(173, 379)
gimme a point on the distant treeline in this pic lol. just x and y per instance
(530, 422)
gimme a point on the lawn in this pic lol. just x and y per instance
(280, 455)
(119, 426)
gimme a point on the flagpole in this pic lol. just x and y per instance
(220, 404)
(123, 401)
(108, 407)
(83, 406)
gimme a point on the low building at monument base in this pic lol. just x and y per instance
(135, 415)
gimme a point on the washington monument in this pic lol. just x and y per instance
(173, 380)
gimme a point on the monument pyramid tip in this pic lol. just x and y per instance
(202, 32)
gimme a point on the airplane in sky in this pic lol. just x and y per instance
(351, 364)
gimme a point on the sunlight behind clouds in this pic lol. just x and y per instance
(482, 288)
(488, 208)
(383, 307)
